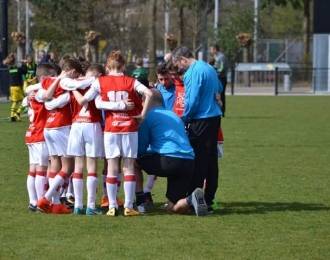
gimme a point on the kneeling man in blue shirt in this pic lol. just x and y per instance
(165, 151)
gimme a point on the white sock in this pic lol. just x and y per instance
(149, 183)
(129, 189)
(30, 184)
(91, 190)
(78, 189)
(112, 191)
(41, 184)
(54, 188)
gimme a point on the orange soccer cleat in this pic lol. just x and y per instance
(44, 205)
(104, 202)
(60, 209)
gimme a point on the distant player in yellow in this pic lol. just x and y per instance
(30, 76)
(16, 86)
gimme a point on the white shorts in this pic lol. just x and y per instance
(38, 153)
(86, 139)
(120, 145)
(57, 140)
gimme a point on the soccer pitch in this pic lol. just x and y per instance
(273, 191)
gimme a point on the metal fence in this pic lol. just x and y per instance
(302, 80)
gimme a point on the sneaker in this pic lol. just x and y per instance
(198, 202)
(60, 209)
(120, 202)
(79, 211)
(113, 212)
(43, 205)
(104, 202)
(32, 207)
(70, 200)
(130, 212)
(142, 208)
(18, 117)
(91, 212)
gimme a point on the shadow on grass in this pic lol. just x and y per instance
(253, 207)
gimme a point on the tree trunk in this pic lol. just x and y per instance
(181, 25)
(152, 40)
(202, 8)
(307, 31)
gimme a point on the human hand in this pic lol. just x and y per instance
(129, 104)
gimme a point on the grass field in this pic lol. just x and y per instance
(274, 196)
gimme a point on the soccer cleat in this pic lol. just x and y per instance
(92, 212)
(60, 209)
(130, 212)
(120, 202)
(43, 205)
(18, 117)
(78, 211)
(104, 202)
(70, 200)
(113, 212)
(32, 207)
(198, 202)
(13, 119)
(142, 208)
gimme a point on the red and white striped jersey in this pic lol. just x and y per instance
(88, 113)
(117, 88)
(57, 117)
(37, 116)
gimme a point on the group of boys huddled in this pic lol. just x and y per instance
(80, 112)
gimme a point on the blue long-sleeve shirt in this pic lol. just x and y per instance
(168, 95)
(162, 132)
(201, 86)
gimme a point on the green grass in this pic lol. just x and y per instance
(274, 196)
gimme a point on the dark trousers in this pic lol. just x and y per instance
(223, 81)
(178, 172)
(202, 134)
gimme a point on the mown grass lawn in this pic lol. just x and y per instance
(274, 196)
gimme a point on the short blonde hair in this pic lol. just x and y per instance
(115, 61)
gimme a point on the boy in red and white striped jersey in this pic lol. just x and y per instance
(56, 133)
(34, 139)
(120, 133)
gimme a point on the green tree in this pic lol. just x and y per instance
(58, 22)
(305, 6)
(237, 20)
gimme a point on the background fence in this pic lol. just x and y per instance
(302, 80)
(273, 82)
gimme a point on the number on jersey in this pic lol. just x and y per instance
(84, 112)
(116, 96)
